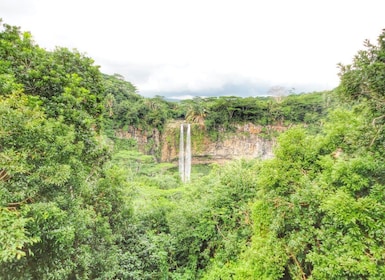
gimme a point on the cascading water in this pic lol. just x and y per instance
(181, 154)
(187, 161)
(185, 154)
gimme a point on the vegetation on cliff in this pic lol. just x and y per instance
(213, 118)
(77, 203)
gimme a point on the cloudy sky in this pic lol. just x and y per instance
(207, 47)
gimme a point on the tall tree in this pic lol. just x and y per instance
(51, 166)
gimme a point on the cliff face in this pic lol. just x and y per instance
(249, 141)
(235, 147)
(148, 141)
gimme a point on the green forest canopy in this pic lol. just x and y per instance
(76, 203)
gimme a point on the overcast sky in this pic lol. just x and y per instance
(207, 47)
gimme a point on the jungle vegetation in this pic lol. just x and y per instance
(78, 203)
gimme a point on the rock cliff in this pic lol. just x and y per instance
(247, 141)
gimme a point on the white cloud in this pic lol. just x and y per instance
(187, 46)
(184, 97)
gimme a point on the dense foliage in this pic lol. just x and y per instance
(225, 111)
(214, 116)
(126, 108)
(77, 203)
(51, 163)
(319, 211)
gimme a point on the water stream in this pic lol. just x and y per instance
(185, 153)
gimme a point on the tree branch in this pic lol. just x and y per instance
(376, 119)
(303, 275)
(3, 175)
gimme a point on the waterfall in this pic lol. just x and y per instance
(187, 161)
(181, 154)
(185, 154)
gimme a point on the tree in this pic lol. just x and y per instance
(196, 112)
(363, 80)
(362, 83)
(320, 201)
(51, 159)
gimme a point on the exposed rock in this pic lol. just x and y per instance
(236, 147)
(248, 141)
(148, 141)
